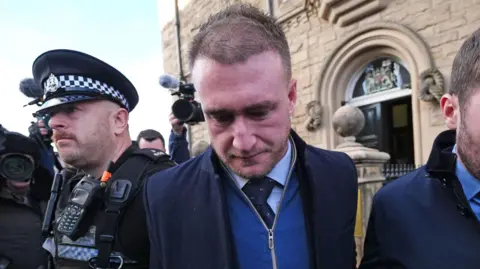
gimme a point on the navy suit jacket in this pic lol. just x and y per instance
(188, 219)
(423, 220)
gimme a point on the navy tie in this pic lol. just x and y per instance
(258, 191)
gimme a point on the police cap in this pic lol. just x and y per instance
(68, 76)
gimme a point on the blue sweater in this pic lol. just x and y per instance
(251, 238)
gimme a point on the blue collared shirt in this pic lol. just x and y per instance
(470, 185)
(279, 173)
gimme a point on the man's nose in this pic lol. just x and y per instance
(243, 138)
(57, 121)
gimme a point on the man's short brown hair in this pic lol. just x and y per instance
(466, 69)
(238, 32)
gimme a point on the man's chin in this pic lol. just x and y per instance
(253, 171)
(250, 168)
(69, 158)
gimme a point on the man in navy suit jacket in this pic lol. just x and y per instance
(430, 218)
(260, 197)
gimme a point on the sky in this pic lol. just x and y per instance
(123, 33)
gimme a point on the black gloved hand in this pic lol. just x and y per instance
(36, 132)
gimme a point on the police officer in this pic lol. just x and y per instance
(102, 223)
(21, 210)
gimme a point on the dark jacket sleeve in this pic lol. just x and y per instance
(155, 243)
(355, 189)
(44, 173)
(47, 160)
(178, 147)
(372, 255)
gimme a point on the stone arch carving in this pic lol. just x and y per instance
(381, 38)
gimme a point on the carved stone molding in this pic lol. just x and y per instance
(285, 10)
(359, 48)
(346, 12)
(340, 12)
(432, 85)
(314, 112)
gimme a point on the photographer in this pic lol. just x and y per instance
(177, 142)
(21, 207)
(185, 110)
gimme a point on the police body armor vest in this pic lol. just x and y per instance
(129, 177)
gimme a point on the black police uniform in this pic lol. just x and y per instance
(21, 213)
(116, 229)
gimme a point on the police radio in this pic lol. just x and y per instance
(82, 205)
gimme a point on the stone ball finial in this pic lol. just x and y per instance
(348, 121)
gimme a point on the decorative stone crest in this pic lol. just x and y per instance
(432, 85)
(385, 77)
(314, 112)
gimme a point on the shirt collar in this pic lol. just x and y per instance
(470, 184)
(279, 172)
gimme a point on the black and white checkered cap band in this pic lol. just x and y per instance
(70, 82)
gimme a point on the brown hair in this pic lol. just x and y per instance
(238, 32)
(465, 75)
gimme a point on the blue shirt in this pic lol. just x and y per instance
(279, 173)
(470, 185)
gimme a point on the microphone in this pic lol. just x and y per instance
(169, 82)
(30, 89)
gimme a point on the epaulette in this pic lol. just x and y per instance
(152, 154)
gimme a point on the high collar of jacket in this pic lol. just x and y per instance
(212, 164)
(441, 162)
(124, 157)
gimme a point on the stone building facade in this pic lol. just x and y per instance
(392, 59)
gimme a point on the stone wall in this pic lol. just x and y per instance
(442, 24)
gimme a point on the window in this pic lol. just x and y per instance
(382, 79)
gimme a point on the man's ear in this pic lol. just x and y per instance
(292, 96)
(449, 107)
(120, 121)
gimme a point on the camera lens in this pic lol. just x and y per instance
(17, 167)
(183, 110)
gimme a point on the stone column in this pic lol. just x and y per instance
(348, 121)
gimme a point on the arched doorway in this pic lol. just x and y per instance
(356, 51)
(381, 88)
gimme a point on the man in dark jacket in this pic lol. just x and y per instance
(103, 223)
(260, 197)
(21, 210)
(430, 218)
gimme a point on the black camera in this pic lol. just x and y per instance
(16, 167)
(186, 109)
(18, 155)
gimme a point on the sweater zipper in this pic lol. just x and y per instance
(271, 241)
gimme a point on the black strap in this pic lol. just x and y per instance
(124, 186)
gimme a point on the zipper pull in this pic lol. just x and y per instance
(270, 239)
